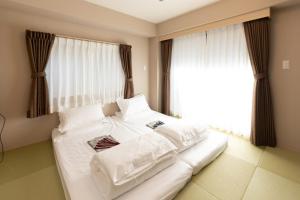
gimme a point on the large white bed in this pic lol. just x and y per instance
(197, 156)
(81, 168)
(73, 156)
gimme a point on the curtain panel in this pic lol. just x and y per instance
(125, 55)
(257, 37)
(211, 79)
(166, 56)
(39, 46)
(82, 73)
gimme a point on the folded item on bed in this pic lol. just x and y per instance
(155, 124)
(110, 191)
(182, 135)
(130, 160)
(103, 142)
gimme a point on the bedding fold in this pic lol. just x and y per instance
(120, 168)
(183, 135)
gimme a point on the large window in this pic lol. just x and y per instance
(212, 80)
(83, 72)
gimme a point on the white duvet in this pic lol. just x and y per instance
(120, 168)
(183, 135)
(198, 155)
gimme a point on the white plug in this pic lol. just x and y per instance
(286, 64)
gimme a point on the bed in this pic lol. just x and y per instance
(73, 156)
(198, 156)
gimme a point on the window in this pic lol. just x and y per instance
(82, 72)
(212, 80)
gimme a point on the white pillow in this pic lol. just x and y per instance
(76, 117)
(133, 105)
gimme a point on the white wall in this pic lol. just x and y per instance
(285, 84)
(15, 73)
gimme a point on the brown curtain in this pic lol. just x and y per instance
(257, 37)
(166, 54)
(39, 47)
(125, 54)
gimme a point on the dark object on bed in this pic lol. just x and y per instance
(155, 124)
(103, 142)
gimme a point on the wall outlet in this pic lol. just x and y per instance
(286, 64)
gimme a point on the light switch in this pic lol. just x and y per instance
(145, 67)
(286, 64)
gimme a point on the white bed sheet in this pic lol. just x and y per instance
(73, 156)
(197, 156)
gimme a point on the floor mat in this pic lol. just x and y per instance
(227, 177)
(267, 185)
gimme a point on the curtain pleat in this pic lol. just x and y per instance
(257, 37)
(125, 55)
(82, 73)
(39, 46)
(166, 55)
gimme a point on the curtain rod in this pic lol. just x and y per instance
(220, 23)
(85, 39)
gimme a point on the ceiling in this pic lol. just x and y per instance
(154, 11)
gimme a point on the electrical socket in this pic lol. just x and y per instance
(286, 64)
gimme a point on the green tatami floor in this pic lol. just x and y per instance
(246, 172)
(241, 172)
(30, 173)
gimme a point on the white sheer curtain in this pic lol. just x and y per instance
(82, 72)
(212, 80)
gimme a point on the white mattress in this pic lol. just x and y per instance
(198, 156)
(73, 156)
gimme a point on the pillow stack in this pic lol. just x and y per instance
(76, 117)
(135, 105)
